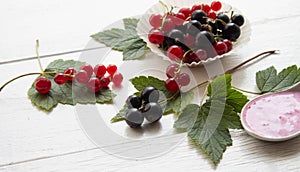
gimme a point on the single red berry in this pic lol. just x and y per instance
(171, 85)
(117, 79)
(88, 68)
(82, 76)
(42, 85)
(111, 69)
(196, 7)
(183, 79)
(179, 18)
(156, 36)
(155, 20)
(171, 69)
(212, 15)
(69, 73)
(228, 44)
(202, 54)
(93, 85)
(99, 70)
(189, 40)
(206, 8)
(220, 47)
(186, 11)
(216, 5)
(104, 82)
(60, 78)
(169, 24)
(175, 53)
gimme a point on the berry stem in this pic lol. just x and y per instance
(203, 96)
(169, 98)
(38, 56)
(246, 91)
(267, 53)
(181, 63)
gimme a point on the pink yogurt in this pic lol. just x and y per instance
(273, 116)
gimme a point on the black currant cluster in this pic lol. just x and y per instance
(203, 31)
(144, 106)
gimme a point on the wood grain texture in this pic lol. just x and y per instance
(34, 141)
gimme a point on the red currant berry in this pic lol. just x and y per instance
(60, 78)
(156, 36)
(69, 73)
(212, 15)
(155, 20)
(216, 5)
(228, 44)
(189, 40)
(169, 24)
(171, 85)
(171, 69)
(93, 85)
(191, 57)
(175, 52)
(42, 85)
(202, 54)
(117, 79)
(183, 79)
(88, 68)
(186, 11)
(206, 8)
(82, 76)
(104, 82)
(179, 18)
(196, 7)
(220, 47)
(111, 69)
(99, 70)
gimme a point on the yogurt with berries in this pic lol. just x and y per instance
(273, 117)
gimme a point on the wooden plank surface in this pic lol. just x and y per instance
(33, 141)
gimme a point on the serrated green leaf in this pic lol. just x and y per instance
(121, 115)
(141, 82)
(269, 81)
(68, 93)
(136, 50)
(187, 118)
(218, 88)
(179, 103)
(236, 99)
(130, 23)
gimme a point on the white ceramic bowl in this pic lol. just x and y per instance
(144, 26)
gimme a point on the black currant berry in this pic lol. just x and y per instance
(213, 26)
(193, 27)
(152, 112)
(177, 35)
(204, 37)
(238, 19)
(222, 20)
(134, 118)
(200, 16)
(168, 42)
(231, 32)
(150, 94)
(134, 101)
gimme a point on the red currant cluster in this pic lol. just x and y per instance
(176, 79)
(199, 29)
(101, 78)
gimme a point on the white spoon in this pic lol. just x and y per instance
(274, 116)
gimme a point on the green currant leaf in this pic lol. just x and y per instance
(137, 50)
(130, 23)
(141, 82)
(68, 93)
(177, 104)
(121, 115)
(269, 81)
(187, 118)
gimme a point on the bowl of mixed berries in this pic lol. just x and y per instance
(194, 32)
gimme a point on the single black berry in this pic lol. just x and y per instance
(200, 16)
(134, 101)
(238, 19)
(222, 20)
(134, 118)
(150, 94)
(231, 32)
(193, 27)
(204, 37)
(152, 112)
(177, 35)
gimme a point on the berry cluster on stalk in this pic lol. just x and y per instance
(144, 106)
(203, 29)
(94, 78)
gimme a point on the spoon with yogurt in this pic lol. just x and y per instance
(273, 116)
